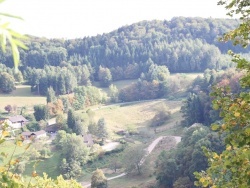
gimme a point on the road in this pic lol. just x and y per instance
(149, 149)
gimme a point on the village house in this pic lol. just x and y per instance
(52, 129)
(33, 135)
(88, 140)
(2, 120)
(51, 126)
(17, 122)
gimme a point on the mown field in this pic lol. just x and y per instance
(20, 97)
(134, 115)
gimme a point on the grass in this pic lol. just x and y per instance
(172, 126)
(102, 163)
(20, 91)
(8, 147)
(138, 115)
(50, 166)
(119, 84)
(22, 96)
(123, 83)
(131, 181)
(148, 177)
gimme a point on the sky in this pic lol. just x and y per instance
(79, 18)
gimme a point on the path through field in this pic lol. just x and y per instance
(149, 149)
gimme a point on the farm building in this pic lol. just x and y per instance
(35, 135)
(16, 122)
(88, 140)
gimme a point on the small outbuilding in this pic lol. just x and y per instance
(88, 140)
(52, 129)
(34, 135)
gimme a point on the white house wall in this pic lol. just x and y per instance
(14, 125)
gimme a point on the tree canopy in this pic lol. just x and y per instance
(231, 168)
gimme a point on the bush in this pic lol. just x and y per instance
(116, 150)
(122, 141)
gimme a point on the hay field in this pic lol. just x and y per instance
(22, 96)
(135, 114)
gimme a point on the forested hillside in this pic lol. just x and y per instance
(182, 44)
(66, 71)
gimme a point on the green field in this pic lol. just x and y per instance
(20, 91)
(50, 166)
(10, 147)
(119, 84)
(20, 97)
(138, 115)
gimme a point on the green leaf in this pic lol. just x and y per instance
(10, 15)
(215, 106)
(2, 141)
(215, 127)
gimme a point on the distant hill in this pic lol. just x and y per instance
(182, 44)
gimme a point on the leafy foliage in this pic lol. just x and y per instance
(197, 108)
(41, 112)
(240, 35)
(132, 159)
(105, 76)
(7, 82)
(181, 45)
(188, 157)
(231, 168)
(74, 153)
(11, 172)
(98, 180)
(14, 38)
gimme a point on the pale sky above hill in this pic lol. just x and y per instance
(79, 18)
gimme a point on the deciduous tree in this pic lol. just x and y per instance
(105, 77)
(133, 158)
(231, 168)
(7, 82)
(98, 180)
(8, 108)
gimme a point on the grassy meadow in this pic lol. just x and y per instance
(138, 115)
(20, 97)
(10, 147)
(50, 166)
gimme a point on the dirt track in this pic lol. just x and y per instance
(149, 149)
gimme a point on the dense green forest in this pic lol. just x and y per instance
(142, 50)
(182, 44)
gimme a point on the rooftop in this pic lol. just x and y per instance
(17, 118)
